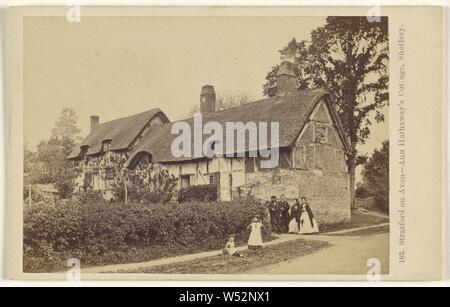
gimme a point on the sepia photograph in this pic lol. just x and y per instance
(206, 145)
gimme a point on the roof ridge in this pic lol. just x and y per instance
(154, 110)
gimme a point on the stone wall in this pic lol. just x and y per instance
(328, 193)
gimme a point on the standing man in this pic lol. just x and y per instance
(284, 214)
(274, 214)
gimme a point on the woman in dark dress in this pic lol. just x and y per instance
(294, 224)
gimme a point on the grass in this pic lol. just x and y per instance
(366, 232)
(131, 255)
(359, 220)
(235, 265)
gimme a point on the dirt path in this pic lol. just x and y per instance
(347, 255)
(133, 266)
(336, 241)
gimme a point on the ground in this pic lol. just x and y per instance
(345, 251)
(346, 255)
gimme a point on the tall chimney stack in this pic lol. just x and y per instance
(95, 121)
(207, 99)
(286, 79)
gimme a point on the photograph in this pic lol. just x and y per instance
(216, 145)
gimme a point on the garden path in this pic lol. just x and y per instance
(336, 242)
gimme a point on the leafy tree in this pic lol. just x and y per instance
(149, 184)
(65, 181)
(66, 126)
(51, 154)
(349, 57)
(30, 167)
(376, 176)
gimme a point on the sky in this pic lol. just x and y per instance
(118, 66)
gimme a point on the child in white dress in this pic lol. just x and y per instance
(255, 240)
(229, 247)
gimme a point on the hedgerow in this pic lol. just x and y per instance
(100, 232)
(207, 192)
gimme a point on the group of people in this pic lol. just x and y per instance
(297, 219)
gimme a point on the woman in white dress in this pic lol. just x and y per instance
(308, 224)
(255, 239)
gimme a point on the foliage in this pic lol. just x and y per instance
(65, 181)
(66, 126)
(145, 183)
(348, 56)
(376, 176)
(50, 161)
(37, 194)
(90, 197)
(100, 232)
(198, 193)
(31, 169)
(361, 191)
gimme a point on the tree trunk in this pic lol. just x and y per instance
(351, 164)
(352, 171)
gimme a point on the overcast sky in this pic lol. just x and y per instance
(119, 66)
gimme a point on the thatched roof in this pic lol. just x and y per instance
(291, 111)
(121, 132)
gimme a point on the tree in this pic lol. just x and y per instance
(30, 167)
(51, 154)
(349, 57)
(376, 176)
(66, 126)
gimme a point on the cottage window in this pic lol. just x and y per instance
(109, 172)
(185, 181)
(214, 179)
(106, 145)
(321, 134)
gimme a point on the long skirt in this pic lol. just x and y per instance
(293, 226)
(305, 224)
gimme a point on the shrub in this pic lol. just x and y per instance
(149, 185)
(100, 232)
(90, 197)
(198, 193)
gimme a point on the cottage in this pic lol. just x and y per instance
(312, 148)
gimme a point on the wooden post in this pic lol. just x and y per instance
(126, 191)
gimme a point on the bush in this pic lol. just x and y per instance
(149, 185)
(90, 197)
(102, 232)
(198, 193)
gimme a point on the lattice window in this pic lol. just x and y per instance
(214, 179)
(321, 134)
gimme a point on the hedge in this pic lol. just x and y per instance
(99, 232)
(198, 193)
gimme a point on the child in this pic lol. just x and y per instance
(255, 240)
(230, 248)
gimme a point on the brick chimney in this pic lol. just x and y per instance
(286, 79)
(207, 99)
(95, 121)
